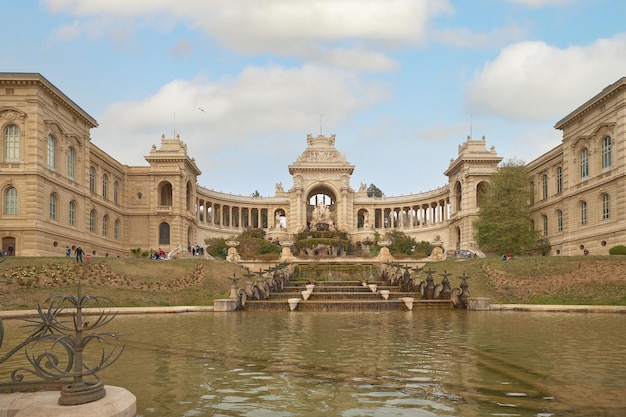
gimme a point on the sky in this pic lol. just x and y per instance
(401, 83)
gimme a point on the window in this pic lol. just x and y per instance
(532, 192)
(92, 179)
(583, 213)
(52, 152)
(164, 234)
(606, 152)
(116, 191)
(606, 207)
(544, 218)
(544, 187)
(72, 214)
(92, 221)
(71, 162)
(11, 143)
(116, 230)
(52, 207)
(105, 184)
(584, 163)
(105, 225)
(559, 221)
(559, 180)
(10, 200)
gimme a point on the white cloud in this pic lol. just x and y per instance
(536, 81)
(260, 109)
(463, 37)
(347, 33)
(541, 3)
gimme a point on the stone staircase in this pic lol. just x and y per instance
(343, 296)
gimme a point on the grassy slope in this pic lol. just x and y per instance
(142, 282)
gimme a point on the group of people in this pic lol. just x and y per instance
(160, 254)
(8, 252)
(78, 252)
(195, 250)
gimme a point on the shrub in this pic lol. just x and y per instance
(618, 250)
(400, 243)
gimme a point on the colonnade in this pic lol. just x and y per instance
(410, 217)
(222, 215)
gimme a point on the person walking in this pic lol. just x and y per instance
(79, 254)
(68, 252)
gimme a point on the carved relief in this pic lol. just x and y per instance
(13, 116)
(317, 156)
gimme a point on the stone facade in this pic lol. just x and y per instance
(579, 187)
(60, 190)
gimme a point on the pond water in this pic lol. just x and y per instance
(420, 363)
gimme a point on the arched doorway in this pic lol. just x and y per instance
(8, 246)
(321, 210)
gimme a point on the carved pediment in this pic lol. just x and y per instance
(54, 127)
(12, 115)
(604, 130)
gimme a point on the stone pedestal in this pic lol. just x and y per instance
(286, 256)
(118, 402)
(384, 255)
(224, 305)
(233, 255)
(478, 303)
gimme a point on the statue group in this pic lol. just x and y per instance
(322, 218)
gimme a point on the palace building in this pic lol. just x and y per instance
(58, 189)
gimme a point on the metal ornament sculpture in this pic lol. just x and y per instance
(66, 368)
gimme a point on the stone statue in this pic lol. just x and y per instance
(321, 216)
(277, 221)
(279, 187)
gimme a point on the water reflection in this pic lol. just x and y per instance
(421, 363)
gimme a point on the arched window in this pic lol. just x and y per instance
(71, 162)
(105, 225)
(105, 185)
(481, 193)
(10, 200)
(52, 152)
(559, 221)
(164, 234)
(606, 207)
(583, 213)
(606, 152)
(92, 221)
(559, 180)
(584, 163)
(116, 229)
(189, 197)
(165, 194)
(92, 179)
(11, 143)
(544, 219)
(116, 192)
(52, 207)
(72, 214)
(544, 187)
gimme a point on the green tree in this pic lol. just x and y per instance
(503, 224)
(400, 243)
(374, 191)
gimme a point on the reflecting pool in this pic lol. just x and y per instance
(420, 363)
